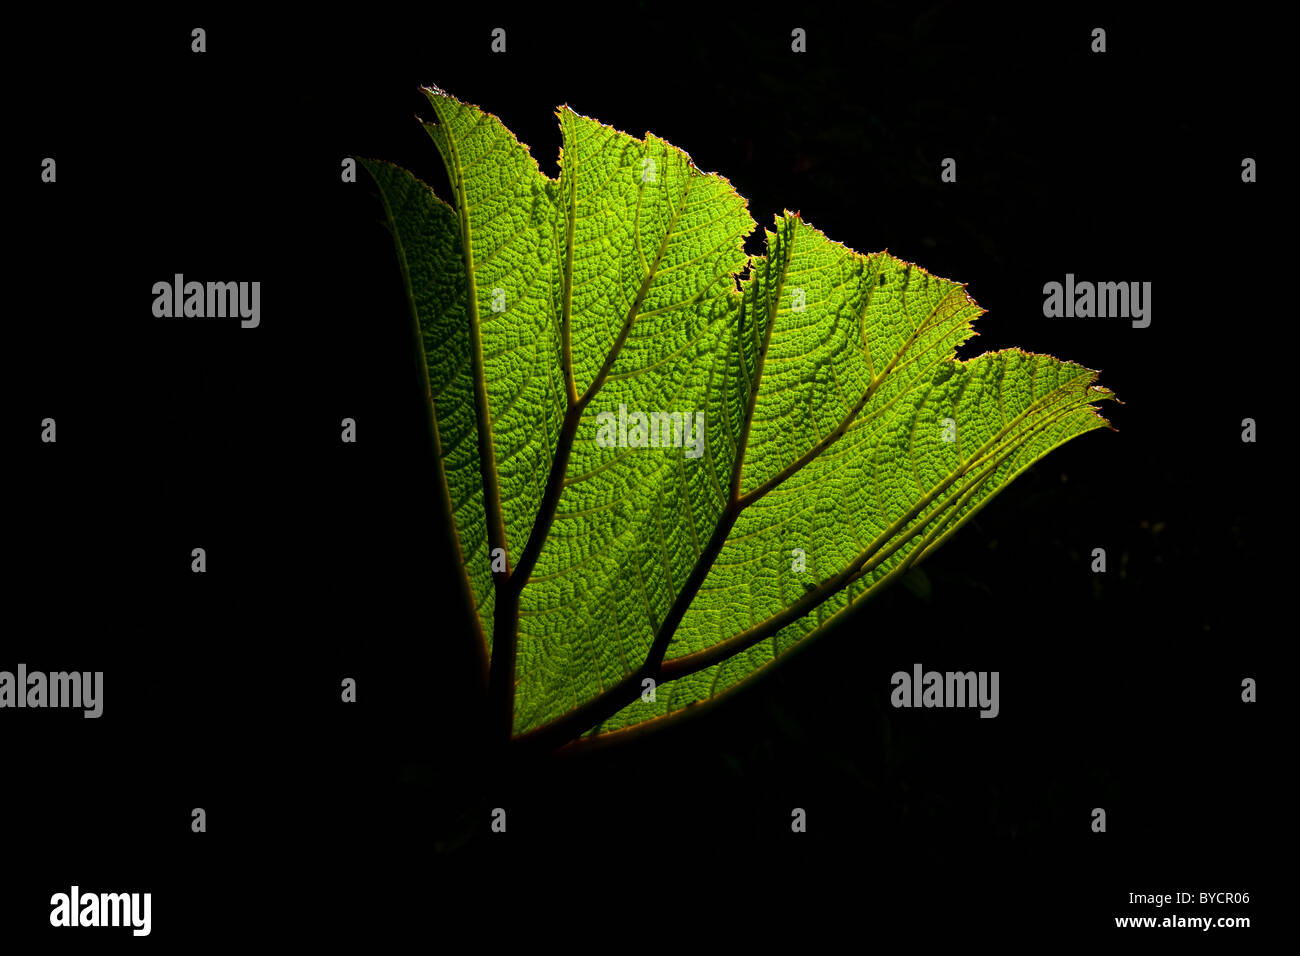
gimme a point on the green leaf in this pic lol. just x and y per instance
(842, 438)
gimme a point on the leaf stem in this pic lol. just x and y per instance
(505, 639)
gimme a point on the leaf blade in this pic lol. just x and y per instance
(831, 415)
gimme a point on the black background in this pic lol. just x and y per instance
(328, 820)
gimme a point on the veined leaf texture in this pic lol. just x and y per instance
(666, 460)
